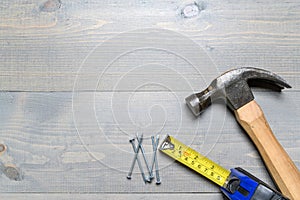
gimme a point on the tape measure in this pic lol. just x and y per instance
(194, 160)
(236, 184)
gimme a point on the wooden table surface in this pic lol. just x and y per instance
(80, 78)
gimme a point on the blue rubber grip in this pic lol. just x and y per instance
(242, 185)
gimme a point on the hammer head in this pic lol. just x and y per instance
(233, 86)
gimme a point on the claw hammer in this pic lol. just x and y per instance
(233, 87)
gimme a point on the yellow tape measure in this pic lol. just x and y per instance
(194, 160)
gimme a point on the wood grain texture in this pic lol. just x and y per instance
(70, 142)
(39, 131)
(42, 51)
(111, 196)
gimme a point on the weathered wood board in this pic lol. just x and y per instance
(111, 196)
(43, 142)
(68, 108)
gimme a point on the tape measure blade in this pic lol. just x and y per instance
(194, 160)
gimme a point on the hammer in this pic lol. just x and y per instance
(233, 87)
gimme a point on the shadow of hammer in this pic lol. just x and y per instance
(233, 87)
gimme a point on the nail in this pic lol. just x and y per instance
(145, 159)
(154, 161)
(158, 181)
(132, 164)
(136, 158)
(154, 155)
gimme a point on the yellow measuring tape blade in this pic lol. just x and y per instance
(194, 160)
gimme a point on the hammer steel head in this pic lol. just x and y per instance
(233, 86)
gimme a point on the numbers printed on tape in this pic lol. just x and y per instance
(194, 160)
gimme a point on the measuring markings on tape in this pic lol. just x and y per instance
(194, 160)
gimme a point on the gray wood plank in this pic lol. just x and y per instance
(42, 139)
(44, 44)
(112, 196)
(66, 142)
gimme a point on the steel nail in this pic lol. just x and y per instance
(136, 150)
(154, 161)
(145, 159)
(158, 181)
(132, 164)
(154, 155)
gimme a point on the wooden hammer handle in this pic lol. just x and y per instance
(281, 167)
